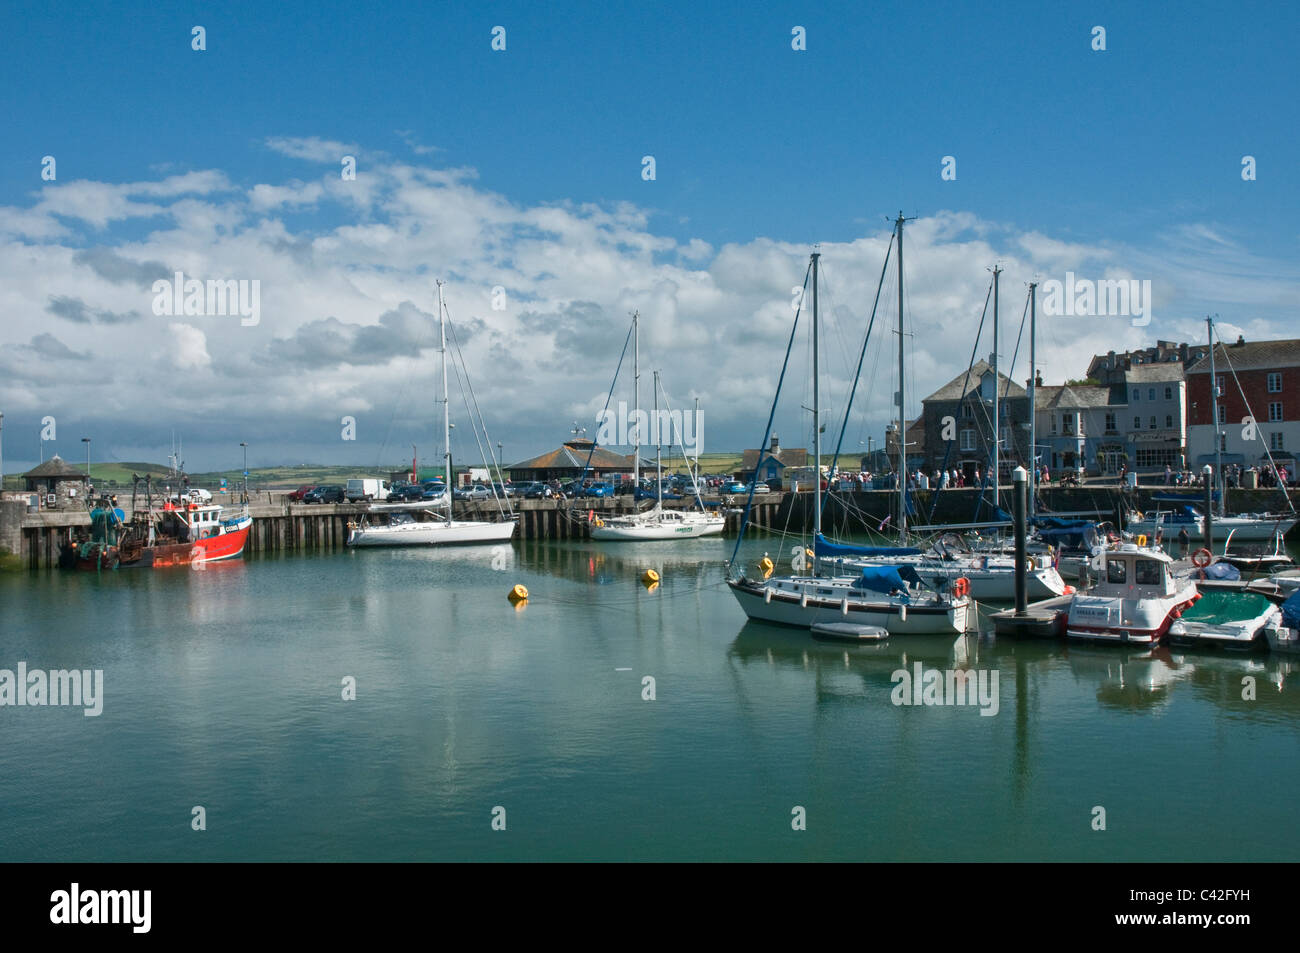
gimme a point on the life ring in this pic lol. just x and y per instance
(1200, 563)
(961, 586)
(1029, 563)
(1142, 539)
(193, 507)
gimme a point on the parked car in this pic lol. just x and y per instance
(366, 489)
(433, 490)
(196, 495)
(507, 491)
(327, 493)
(297, 495)
(759, 488)
(539, 491)
(409, 493)
(734, 486)
(598, 490)
(476, 492)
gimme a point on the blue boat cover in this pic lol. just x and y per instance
(1219, 571)
(1169, 496)
(886, 578)
(1291, 611)
(824, 548)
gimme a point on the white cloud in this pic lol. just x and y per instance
(715, 320)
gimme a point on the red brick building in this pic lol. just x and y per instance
(1266, 384)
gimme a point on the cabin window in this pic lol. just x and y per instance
(1147, 572)
(1116, 572)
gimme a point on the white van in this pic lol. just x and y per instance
(367, 490)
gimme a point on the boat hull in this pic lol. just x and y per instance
(1240, 527)
(786, 609)
(657, 531)
(432, 534)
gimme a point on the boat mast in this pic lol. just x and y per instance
(659, 469)
(817, 432)
(1214, 411)
(636, 404)
(446, 402)
(902, 398)
(1033, 383)
(997, 420)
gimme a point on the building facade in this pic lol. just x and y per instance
(957, 422)
(1259, 404)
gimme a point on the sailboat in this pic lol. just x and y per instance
(655, 523)
(420, 524)
(892, 598)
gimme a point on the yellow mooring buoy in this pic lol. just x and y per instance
(650, 579)
(518, 595)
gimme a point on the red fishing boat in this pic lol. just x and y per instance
(179, 534)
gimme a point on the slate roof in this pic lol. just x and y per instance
(1251, 355)
(57, 468)
(1007, 388)
(572, 455)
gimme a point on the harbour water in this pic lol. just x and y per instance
(223, 688)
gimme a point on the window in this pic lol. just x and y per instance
(1169, 393)
(967, 410)
(1156, 458)
(1223, 414)
(1275, 383)
(967, 439)
(1116, 572)
(1053, 423)
(1137, 394)
(1110, 423)
(1275, 441)
(1275, 411)
(1146, 572)
(1169, 421)
(1151, 393)
(1223, 443)
(1137, 423)
(1067, 424)
(1218, 385)
(1153, 423)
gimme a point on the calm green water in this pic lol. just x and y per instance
(223, 689)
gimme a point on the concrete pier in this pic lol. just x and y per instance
(31, 539)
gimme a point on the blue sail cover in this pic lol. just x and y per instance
(825, 549)
(886, 578)
(1291, 611)
(1220, 571)
(1169, 496)
(1073, 534)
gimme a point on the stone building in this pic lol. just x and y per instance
(60, 485)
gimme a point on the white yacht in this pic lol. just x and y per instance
(1169, 523)
(419, 523)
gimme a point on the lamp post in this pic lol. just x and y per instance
(2, 453)
(86, 441)
(244, 493)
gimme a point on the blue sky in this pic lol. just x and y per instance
(1135, 151)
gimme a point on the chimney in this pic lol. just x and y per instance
(1038, 379)
(1241, 341)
